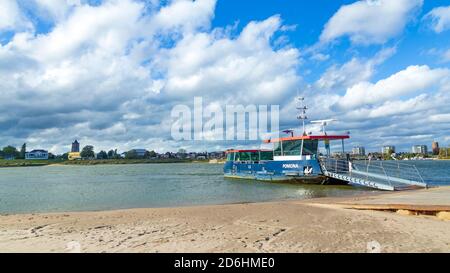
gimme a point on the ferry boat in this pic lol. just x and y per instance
(293, 158)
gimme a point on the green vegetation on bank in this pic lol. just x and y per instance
(128, 161)
(31, 163)
(10, 156)
(28, 163)
(444, 153)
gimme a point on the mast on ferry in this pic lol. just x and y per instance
(302, 116)
(302, 112)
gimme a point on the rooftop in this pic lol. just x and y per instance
(38, 151)
(246, 151)
(308, 137)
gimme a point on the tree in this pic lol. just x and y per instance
(444, 152)
(88, 152)
(23, 150)
(150, 154)
(112, 154)
(65, 156)
(10, 151)
(102, 155)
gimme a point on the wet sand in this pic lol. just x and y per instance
(317, 225)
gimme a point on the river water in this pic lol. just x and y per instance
(107, 187)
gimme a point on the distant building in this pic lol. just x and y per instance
(339, 154)
(181, 154)
(359, 150)
(216, 155)
(75, 147)
(139, 152)
(388, 149)
(420, 149)
(37, 155)
(9, 157)
(74, 156)
(435, 147)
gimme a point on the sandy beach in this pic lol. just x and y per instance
(316, 225)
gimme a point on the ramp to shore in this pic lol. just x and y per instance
(382, 175)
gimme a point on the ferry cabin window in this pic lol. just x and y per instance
(277, 149)
(247, 156)
(251, 156)
(266, 155)
(310, 147)
(293, 147)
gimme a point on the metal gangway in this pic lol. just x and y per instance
(378, 174)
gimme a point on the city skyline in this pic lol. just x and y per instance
(108, 73)
(76, 146)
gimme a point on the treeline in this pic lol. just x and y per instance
(88, 153)
(444, 153)
(11, 152)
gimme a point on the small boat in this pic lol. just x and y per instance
(293, 158)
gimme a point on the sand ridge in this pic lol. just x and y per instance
(287, 226)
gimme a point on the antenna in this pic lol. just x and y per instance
(302, 109)
(323, 123)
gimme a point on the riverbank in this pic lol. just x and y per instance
(26, 163)
(316, 225)
(50, 162)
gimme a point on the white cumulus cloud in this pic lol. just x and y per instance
(352, 72)
(243, 69)
(367, 22)
(109, 74)
(406, 82)
(11, 17)
(439, 19)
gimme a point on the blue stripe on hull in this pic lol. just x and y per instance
(276, 171)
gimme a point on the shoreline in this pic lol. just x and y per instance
(45, 163)
(313, 225)
(307, 200)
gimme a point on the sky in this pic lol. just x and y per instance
(109, 72)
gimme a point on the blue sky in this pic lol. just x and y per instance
(311, 16)
(109, 72)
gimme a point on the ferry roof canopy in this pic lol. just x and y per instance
(308, 137)
(246, 151)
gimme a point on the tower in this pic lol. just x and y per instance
(75, 147)
(435, 148)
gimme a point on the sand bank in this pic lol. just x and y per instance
(318, 225)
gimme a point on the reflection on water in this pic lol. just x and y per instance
(103, 187)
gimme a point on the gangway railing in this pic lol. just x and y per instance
(397, 169)
(384, 175)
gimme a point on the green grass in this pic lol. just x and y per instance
(124, 161)
(29, 163)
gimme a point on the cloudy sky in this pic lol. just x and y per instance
(108, 72)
